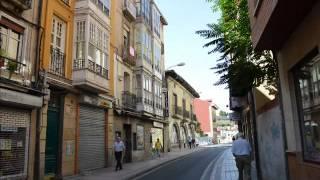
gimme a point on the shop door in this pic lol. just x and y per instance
(157, 133)
(92, 138)
(128, 142)
(51, 155)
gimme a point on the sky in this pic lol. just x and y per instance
(183, 45)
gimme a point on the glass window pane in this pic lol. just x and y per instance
(13, 48)
(307, 77)
(91, 52)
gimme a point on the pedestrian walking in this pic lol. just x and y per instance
(158, 147)
(193, 142)
(189, 141)
(241, 150)
(119, 148)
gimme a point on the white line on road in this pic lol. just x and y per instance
(210, 166)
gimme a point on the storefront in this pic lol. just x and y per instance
(15, 134)
(156, 133)
(92, 134)
(14, 142)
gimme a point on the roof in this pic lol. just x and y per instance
(184, 83)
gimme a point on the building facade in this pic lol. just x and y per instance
(21, 96)
(91, 77)
(56, 64)
(202, 109)
(290, 30)
(181, 117)
(138, 72)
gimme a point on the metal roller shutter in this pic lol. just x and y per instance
(92, 138)
(14, 136)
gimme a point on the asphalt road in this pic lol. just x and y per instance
(195, 166)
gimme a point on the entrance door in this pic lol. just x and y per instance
(51, 156)
(128, 142)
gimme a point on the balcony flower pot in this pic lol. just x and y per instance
(12, 67)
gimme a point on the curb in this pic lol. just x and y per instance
(220, 161)
(160, 165)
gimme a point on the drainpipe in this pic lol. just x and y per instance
(284, 135)
(38, 115)
(255, 136)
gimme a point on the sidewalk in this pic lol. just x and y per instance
(226, 168)
(135, 169)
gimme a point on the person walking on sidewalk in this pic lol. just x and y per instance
(241, 150)
(158, 147)
(118, 149)
(189, 141)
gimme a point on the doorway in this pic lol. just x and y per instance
(52, 136)
(128, 143)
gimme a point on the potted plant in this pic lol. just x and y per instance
(12, 67)
(2, 57)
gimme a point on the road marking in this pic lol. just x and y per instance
(211, 166)
(167, 163)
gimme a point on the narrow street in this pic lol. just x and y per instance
(198, 165)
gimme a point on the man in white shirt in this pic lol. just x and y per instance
(241, 150)
(118, 149)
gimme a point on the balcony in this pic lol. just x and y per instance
(128, 55)
(186, 114)
(57, 65)
(14, 70)
(17, 4)
(128, 100)
(90, 76)
(129, 10)
(176, 111)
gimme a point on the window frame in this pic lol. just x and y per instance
(299, 102)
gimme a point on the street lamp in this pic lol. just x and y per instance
(179, 64)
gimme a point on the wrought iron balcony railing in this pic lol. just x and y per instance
(11, 65)
(20, 4)
(128, 55)
(57, 65)
(129, 100)
(186, 114)
(176, 110)
(80, 64)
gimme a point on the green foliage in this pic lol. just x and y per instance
(12, 66)
(223, 113)
(239, 66)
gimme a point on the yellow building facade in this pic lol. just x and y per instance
(180, 111)
(59, 114)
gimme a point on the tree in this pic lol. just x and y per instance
(223, 113)
(239, 66)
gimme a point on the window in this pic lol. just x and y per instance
(80, 39)
(175, 103)
(10, 42)
(103, 5)
(58, 34)
(98, 48)
(307, 79)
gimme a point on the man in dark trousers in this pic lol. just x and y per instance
(118, 149)
(241, 150)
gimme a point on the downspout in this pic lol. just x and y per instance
(255, 136)
(284, 135)
(38, 113)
